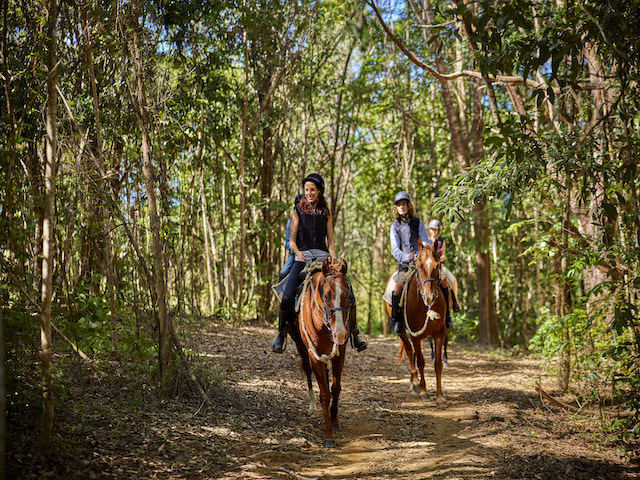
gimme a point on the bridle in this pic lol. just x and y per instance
(326, 312)
(326, 309)
(420, 281)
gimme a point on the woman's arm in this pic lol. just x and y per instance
(442, 251)
(331, 245)
(294, 236)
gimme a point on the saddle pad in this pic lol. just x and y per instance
(389, 290)
(278, 288)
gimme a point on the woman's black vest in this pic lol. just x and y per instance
(312, 230)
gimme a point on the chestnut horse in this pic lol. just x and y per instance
(322, 337)
(424, 312)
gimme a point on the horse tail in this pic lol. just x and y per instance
(401, 354)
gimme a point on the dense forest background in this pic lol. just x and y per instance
(151, 151)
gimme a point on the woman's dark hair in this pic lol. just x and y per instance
(322, 205)
(411, 211)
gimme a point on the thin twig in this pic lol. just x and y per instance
(557, 403)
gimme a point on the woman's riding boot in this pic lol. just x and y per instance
(456, 307)
(395, 322)
(357, 339)
(448, 321)
(279, 343)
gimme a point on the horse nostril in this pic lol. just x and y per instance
(340, 333)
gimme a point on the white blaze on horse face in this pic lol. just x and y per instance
(429, 287)
(339, 330)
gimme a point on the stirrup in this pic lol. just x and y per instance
(358, 342)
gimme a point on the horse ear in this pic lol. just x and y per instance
(343, 267)
(325, 266)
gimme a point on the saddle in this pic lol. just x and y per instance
(305, 277)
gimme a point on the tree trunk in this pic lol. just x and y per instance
(148, 171)
(487, 325)
(561, 305)
(207, 257)
(50, 170)
(3, 397)
(241, 181)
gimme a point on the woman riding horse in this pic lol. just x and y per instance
(311, 239)
(448, 282)
(406, 232)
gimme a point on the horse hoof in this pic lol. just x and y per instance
(441, 402)
(336, 428)
(445, 364)
(329, 443)
(414, 388)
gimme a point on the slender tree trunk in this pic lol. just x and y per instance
(50, 169)
(561, 304)
(149, 175)
(207, 257)
(241, 179)
(487, 330)
(3, 397)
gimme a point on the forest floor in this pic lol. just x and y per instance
(112, 424)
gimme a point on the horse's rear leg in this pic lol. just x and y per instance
(445, 356)
(433, 357)
(440, 400)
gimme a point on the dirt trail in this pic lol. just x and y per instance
(495, 425)
(111, 422)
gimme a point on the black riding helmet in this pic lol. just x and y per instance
(315, 178)
(401, 196)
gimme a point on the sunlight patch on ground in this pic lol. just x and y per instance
(221, 432)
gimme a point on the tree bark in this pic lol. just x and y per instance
(207, 256)
(50, 170)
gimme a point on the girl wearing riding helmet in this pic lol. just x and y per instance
(311, 239)
(448, 282)
(406, 232)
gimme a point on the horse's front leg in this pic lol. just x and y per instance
(440, 400)
(417, 346)
(306, 366)
(408, 348)
(320, 371)
(336, 366)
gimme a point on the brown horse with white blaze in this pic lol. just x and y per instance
(322, 338)
(424, 311)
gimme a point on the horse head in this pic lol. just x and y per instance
(427, 274)
(334, 291)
